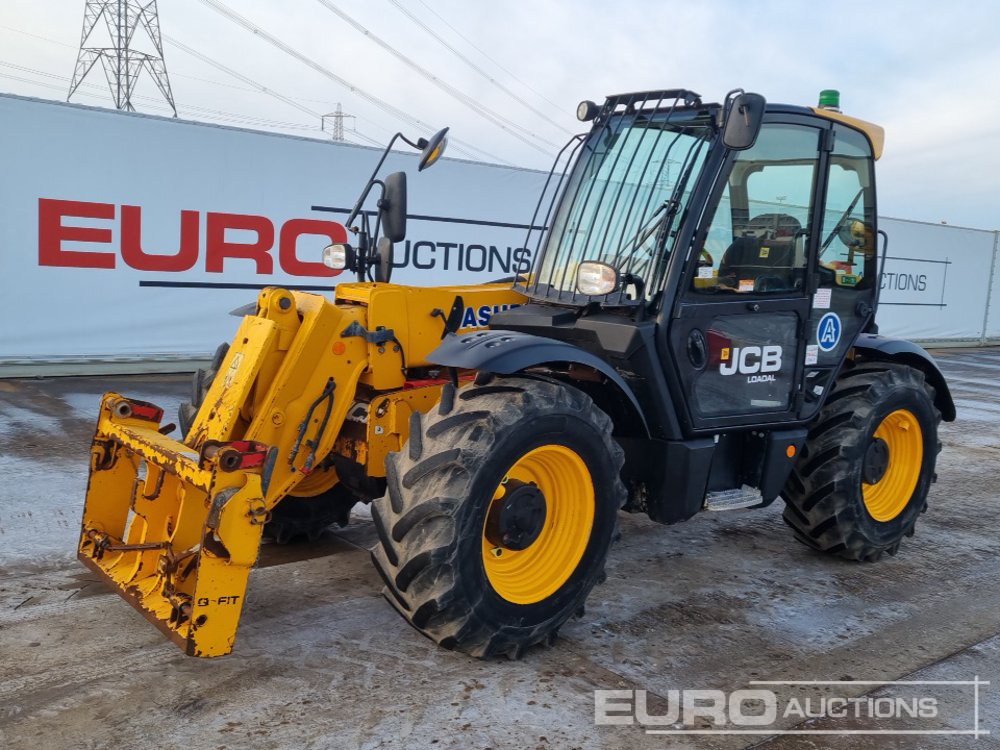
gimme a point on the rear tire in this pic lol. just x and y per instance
(463, 558)
(294, 517)
(862, 479)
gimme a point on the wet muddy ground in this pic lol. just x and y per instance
(322, 661)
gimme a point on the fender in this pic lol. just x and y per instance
(899, 350)
(507, 352)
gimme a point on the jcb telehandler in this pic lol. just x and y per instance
(696, 331)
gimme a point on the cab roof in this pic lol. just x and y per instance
(685, 99)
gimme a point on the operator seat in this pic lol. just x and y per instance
(764, 253)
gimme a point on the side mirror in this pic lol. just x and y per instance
(433, 149)
(454, 320)
(383, 261)
(743, 119)
(392, 207)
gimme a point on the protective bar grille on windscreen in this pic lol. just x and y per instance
(619, 203)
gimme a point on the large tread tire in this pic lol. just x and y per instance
(201, 381)
(824, 501)
(430, 523)
(294, 517)
(298, 517)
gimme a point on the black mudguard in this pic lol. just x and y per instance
(507, 352)
(900, 350)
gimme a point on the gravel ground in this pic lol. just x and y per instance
(323, 662)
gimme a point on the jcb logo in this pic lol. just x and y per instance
(750, 360)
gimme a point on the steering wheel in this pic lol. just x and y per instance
(770, 283)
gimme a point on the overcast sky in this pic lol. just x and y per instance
(928, 72)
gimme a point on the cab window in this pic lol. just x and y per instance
(755, 244)
(847, 254)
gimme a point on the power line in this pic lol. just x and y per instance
(36, 36)
(175, 74)
(252, 85)
(253, 28)
(249, 81)
(258, 86)
(155, 107)
(483, 111)
(483, 53)
(485, 74)
(205, 112)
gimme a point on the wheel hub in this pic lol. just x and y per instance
(876, 461)
(517, 517)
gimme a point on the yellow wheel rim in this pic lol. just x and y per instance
(886, 498)
(316, 483)
(531, 574)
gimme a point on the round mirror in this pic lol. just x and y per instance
(434, 149)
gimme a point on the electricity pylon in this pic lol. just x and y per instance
(122, 64)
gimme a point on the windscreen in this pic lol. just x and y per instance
(621, 202)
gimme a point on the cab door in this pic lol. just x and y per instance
(738, 331)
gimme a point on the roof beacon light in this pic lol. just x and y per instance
(829, 99)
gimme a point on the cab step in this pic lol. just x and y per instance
(743, 497)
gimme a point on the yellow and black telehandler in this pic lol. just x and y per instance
(696, 331)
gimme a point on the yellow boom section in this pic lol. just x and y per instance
(176, 526)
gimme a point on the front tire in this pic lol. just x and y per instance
(499, 514)
(297, 516)
(862, 479)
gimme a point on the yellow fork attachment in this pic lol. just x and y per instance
(175, 527)
(181, 550)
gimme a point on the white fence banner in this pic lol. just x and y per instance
(936, 281)
(992, 329)
(124, 235)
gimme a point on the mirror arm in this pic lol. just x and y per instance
(727, 106)
(378, 214)
(361, 255)
(357, 206)
(371, 180)
(419, 145)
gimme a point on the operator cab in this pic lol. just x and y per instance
(721, 260)
(724, 253)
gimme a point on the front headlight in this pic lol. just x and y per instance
(595, 279)
(337, 256)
